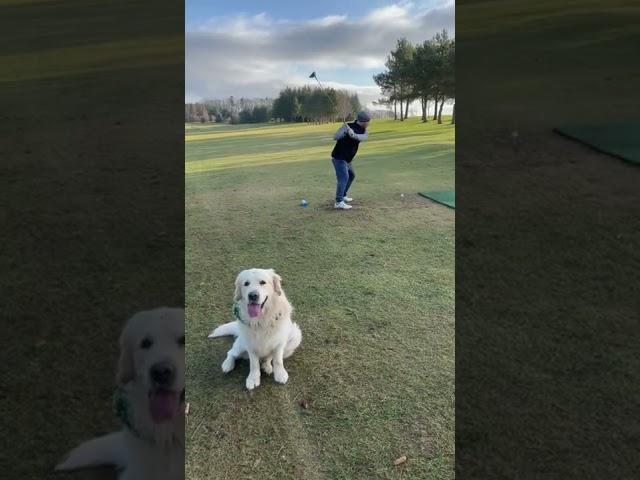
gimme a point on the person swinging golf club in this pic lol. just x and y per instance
(348, 137)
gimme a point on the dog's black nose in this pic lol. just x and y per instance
(162, 373)
(254, 296)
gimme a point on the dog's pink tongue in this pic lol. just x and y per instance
(163, 405)
(254, 310)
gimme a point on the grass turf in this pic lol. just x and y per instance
(618, 140)
(444, 197)
(372, 288)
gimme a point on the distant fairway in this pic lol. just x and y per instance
(394, 147)
(372, 288)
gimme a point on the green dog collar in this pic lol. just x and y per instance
(122, 409)
(236, 313)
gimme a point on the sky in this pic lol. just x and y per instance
(251, 48)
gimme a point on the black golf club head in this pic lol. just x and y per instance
(313, 75)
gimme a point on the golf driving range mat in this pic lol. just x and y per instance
(445, 197)
(620, 140)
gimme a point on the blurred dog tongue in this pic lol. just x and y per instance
(254, 310)
(164, 405)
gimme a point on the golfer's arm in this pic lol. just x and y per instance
(361, 137)
(340, 133)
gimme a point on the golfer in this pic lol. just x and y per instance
(348, 138)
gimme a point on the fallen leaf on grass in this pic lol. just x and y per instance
(400, 461)
(304, 403)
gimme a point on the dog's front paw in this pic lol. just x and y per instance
(267, 367)
(280, 375)
(228, 364)
(253, 381)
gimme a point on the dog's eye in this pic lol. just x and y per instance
(181, 340)
(262, 282)
(146, 343)
(246, 284)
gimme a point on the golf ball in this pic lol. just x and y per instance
(304, 203)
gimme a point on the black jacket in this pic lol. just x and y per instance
(347, 147)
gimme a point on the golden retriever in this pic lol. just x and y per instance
(263, 329)
(149, 402)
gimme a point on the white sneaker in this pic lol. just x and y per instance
(342, 206)
(347, 199)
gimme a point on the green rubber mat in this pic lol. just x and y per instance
(619, 140)
(445, 197)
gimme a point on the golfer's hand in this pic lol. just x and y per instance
(350, 131)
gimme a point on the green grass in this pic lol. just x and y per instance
(372, 288)
(547, 364)
(568, 77)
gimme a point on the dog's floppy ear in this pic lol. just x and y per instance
(126, 369)
(238, 293)
(277, 281)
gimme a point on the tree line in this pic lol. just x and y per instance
(303, 104)
(306, 104)
(424, 72)
(231, 110)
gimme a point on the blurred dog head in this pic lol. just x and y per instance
(152, 362)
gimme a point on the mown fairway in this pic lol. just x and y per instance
(372, 288)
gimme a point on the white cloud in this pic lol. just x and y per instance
(393, 14)
(256, 56)
(328, 21)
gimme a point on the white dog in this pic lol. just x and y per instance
(263, 327)
(150, 403)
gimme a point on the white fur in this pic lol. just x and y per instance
(158, 452)
(268, 338)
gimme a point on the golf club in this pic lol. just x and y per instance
(313, 75)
